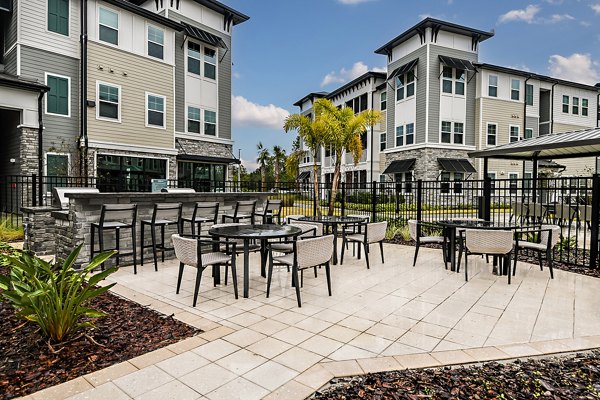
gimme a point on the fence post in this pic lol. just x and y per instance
(343, 198)
(487, 198)
(373, 201)
(419, 199)
(34, 190)
(595, 221)
(314, 200)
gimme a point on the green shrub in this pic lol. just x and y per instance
(10, 232)
(395, 230)
(566, 244)
(54, 296)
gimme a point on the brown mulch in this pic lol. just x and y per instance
(571, 377)
(524, 257)
(28, 364)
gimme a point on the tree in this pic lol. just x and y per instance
(343, 131)
(292, 161)
(263, 160)
(312, 134)
(278, 162)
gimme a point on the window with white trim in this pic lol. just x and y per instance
(459, 133)
(513, 182)
(210, 63)
(584, 107)
(193, 58)
(383, 100)
(575, 105)
(447, 177)
(399, 136)
(58, 16)
(193, 125)
(210, 123)
(492, 133)
(405, 180)
(452, 132)
(565, 104)
(409, 134)
(515, 89)
(528, 94)
(155, 110)
(58, 100)
(405, 85)
(513, 133)
(527, 180)
(446, 132)
(108, 26)
(493, 85)
(156, 42)
(453, 81)
(109, 99)
(382, 141)
(528, 133)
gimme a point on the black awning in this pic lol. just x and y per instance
(204, 36)
(207, 159)
(404, 69)
(456, 165)
(303, 175)
(457, 63)
(6, 5)
(399, 166)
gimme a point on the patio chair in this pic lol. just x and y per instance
(564, 213)
(537, 212)
(371, 233)
(415, 232)
(115, 217)
(243, 210)
(547, 237)
(585, 215)
(163, 215)
(270, 212)
(518, 211)
(289, 218)
(204, 212)
(488, 242)
(227, 244)
(200, 253)
(307, 253)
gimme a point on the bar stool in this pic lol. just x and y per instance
(164, 214)
(243, 210)
(203, 212)
(113, 217)
(271, 212)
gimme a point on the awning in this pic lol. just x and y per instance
(456, 165)
(400, 166)
(404, 69)
(457, 63)
(204, 36)
(303, 175)
(207, 159)
(6, 5)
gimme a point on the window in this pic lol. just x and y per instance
(193, 120)
(156, 42)
(382, 141)
(452, 135)
(210, 63)
(576, 105)
(515, 89)
(491, 134)
(458, 132)
(527, 180)
(410, 83)
(529, 94)
(399, 136)
(513, 182)
(459, 85)
(493, 86)
(410, 134)
(210, 123)
(447, 80)
(108, 29)
(58, 16)
(404, 181)
(128, 174)
(155, 110)
(584, 107)
(565, 104)
(405, 85)
(383, 98)
(514, 134)
(528, 133)
(108, 101)
(193, 58)
(57, 99)
(57, 168)
(446, 132)
(400, 88)
(453, 78)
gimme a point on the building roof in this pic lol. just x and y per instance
(21, 83)
(534, 75)
(433, 23)
(133, 6)
(363, 77)
(582, 143)
(310, 96)
(214, 5)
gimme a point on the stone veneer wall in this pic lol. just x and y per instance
(426, 166)
(204, 148)
(28, 153)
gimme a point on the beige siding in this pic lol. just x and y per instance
(503, 114)
(585, 166)
(136, 75)
(559, 128)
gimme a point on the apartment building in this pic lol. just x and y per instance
(137, 89)
(441, 103)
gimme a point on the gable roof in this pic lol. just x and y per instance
(365, 76)
(236, 16)
(310, 96)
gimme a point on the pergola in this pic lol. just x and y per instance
(576, 144)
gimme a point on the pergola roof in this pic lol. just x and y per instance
(583, 143)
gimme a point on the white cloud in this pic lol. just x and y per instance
(520, 67)
(352, 2)
(345, 75)
(596, 8)
(237, 75)
(527, 14)
(250, 165)
(554, 18)
(576, 67)
(438, 16)
(248, 114)
(585, 24)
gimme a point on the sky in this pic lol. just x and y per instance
(290, 48)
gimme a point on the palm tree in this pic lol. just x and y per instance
(312, 134)
(278, 162)
(344, 129)
(263, 159)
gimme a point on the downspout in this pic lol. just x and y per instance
(372, 140)
(551, 110)
(525, 130)
(40, 148)
(83, 137)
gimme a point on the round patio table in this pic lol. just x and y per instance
(333, 221)
(261, 232)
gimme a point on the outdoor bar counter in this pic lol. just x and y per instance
(52, 230)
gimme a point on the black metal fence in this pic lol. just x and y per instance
(572, 203)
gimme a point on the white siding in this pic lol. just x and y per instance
(570, 118)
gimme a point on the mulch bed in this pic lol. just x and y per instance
(571, 377)
(523, 257)
(28, 364)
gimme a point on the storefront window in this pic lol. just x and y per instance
(203, 177)
(129, 174)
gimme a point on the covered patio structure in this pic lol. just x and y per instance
(576, 144)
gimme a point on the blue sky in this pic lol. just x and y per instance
(290, 48)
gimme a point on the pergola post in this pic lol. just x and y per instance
(487, 192)
(595, 221)
(534, 180)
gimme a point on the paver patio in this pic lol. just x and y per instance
(392, 316)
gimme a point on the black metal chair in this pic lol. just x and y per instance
(415, 230)
(370, 233)
(540, 240)
(270, 212)
(203, 212)
(243, 210)
(163, 215)
(115, 217)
